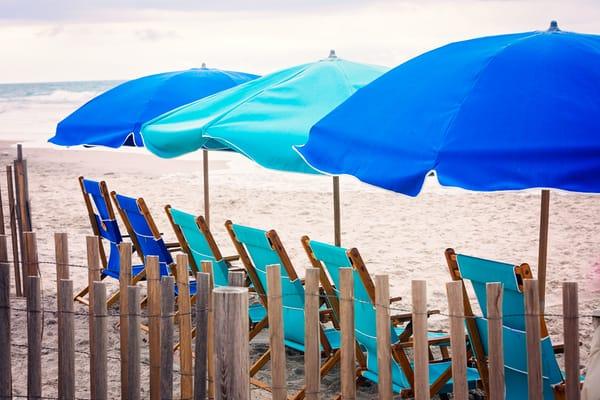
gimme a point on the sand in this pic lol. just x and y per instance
(400, 236)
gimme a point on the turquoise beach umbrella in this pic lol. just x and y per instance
(265, 118)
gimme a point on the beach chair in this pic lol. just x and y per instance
(480, 272)
(145, 235)
(105, 226)
(258, 249)
(198, 243)
(329, 259)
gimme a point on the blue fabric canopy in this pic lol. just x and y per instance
(495, 113)
(115, 117)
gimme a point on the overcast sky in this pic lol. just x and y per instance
(61, 40)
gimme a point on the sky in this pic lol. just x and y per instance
(66, 40)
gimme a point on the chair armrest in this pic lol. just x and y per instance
(172, 244)
(326, 315)
(407, 317)
(236, 269)
(174, 249)
(395, 299)
(231, 258)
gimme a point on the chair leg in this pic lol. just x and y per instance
(258, 327)
(258, 364)
(325, 368)
(80, 296)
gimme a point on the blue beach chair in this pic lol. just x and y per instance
(258, 249)
(329, 259)
(480, 272)
(198, 243)
(104, 225)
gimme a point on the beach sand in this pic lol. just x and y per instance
(397, 235)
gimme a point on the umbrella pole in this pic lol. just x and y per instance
(206, 194)
(337, 229)
(543, 250)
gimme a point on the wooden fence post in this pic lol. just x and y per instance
(22, 212)
(210, 359)
(61, 252)
(167, 312)
(30, 257)
(153, 277)
(185, 327)
(495, 345)
(66, 341)
(93, 262)
(571, 339)
(421, 346)
(231, 350)
(5, 350)
(133, 344)
(236, 278)
(100, 342)
(34, 338)
(312, 346)
(203, 289)
(124, 282)
(457, 340)
(14, 233)
(532, 327)
(276, 335)
(384, 346)
(348, 346)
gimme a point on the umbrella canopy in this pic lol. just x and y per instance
(496, 113)
(262, 119)
(114, 118)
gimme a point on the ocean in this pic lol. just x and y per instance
(29, 112)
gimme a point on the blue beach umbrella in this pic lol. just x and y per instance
(115, 117)
(505, 112)
(263, 119)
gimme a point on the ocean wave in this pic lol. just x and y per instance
(59, 96)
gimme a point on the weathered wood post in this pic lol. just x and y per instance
(210, 347)
(236, 278)
(348, 347)
(312, 345)
(384, 345)
(22, 210)
(124, 282)
(495, 345)
(200, 367)
(457, 340)
(276, 334)
(231, 351)
(133, 344)
(14, 233)
(185, 327)
(30, 256)
(100, 342)
(571, 339)
(167, 311)
(153, 277)
(34, 338)
(5, 333)
(421, 345)
(93, 262)
(61, 252)
(66, 341)
(533, 331)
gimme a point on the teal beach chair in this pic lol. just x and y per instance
(198, 243)
(105, 226)
(258, 249)
(329, 259)
(480, 272)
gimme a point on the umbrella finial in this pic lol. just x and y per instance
(553, 27)
(203, 65)
(332, 54)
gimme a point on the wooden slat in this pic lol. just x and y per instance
(543, 245)
(276, 335)
(14, 233)
(2, 226)
(236, 278)
(153, 277)
(99, 347)
(495, 345)
(124, 282)
(167, 311)
(133, 344)
(30, 257)
(185, 327)
(61, 252)
(22, 215)
(66, 341)
(348, 356)
(337, 215)
(457, 340)
(34, 338)
(532, 327)
(421, 347)
(5, 333)
(202, 306)
(384, 346)
(231, 350)
(571, 339)
(93, 262)
(312, 348)
(210, 372)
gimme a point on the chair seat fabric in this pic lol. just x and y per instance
(257, 312)
(114, 272)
